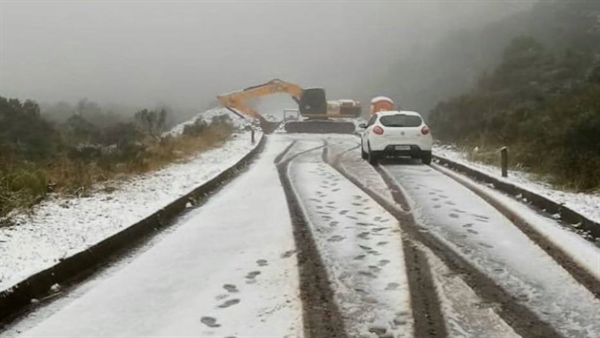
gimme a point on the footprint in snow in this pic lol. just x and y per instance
(335, 238)
(384, 262)
(382, 243)
(288, 254)
(262, 262)
(364, 235)
(374, 269)
(473, 231)
(468, 225)
(367, 274)
(454, 215)
(252, 275)
(228, 303)
(392, 286)
(230, 288)
(210, 321)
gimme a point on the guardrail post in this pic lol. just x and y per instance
(252, 136)
(504, 161)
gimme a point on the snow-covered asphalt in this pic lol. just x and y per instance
(401, 250)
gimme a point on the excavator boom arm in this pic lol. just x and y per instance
(236, 100)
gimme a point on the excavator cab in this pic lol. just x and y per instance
(313, 103)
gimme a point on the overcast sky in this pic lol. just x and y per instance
(185, 53)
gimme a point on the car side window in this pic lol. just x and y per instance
(372, 120)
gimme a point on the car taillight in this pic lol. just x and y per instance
(425, 130)
(378, 130)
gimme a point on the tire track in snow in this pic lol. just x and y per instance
(428, 318)
(580, 274)
(361, 247)
(524, 321)
(320, 313)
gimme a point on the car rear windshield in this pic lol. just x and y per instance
(400, 120)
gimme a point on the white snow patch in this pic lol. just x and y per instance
(585, 204)
(60, 227)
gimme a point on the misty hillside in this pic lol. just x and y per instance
(456, 62)
(69, 154)
(542, 100)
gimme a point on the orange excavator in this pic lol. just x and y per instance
(312, 104)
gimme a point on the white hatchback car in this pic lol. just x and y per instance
(394, 134)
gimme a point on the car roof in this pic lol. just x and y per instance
(381, 98)
(395, 112)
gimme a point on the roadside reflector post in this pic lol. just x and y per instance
(504, 161)
(252, 136)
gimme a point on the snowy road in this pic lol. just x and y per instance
(311, 241)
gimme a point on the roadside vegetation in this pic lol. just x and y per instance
(541, 102)
(39, 156)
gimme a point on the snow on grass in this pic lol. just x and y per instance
(585, 204)
(361, 247)
(228, 269)
(60, 227)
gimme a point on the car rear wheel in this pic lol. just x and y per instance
(363, 154)
(426, 157)
(371, 156)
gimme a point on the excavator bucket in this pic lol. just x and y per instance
(267, 126)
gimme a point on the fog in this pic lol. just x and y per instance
(185, 53)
